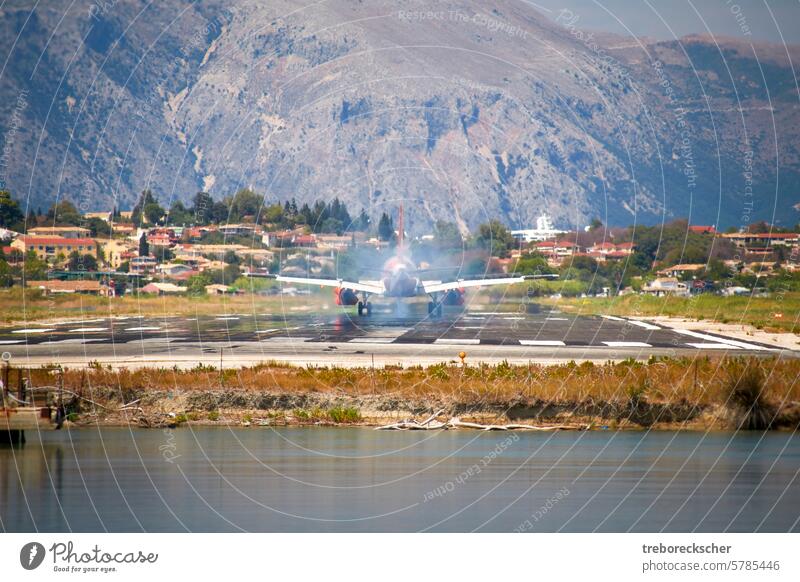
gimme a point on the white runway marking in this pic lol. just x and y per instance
(372, 340)
(628, 345)
(713, 346)
(6, 342)
(38, 330)
(556, 319)
(77, 340)
(82, 329)
(643, 324)
(290, 339)
(227, 318)
(719, 340)
(513, 318)
(612, 317)
(457, 342)
(542, 343)
(268, 330)
(156, 340)
(143, 328)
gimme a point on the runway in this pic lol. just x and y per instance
(347, 340)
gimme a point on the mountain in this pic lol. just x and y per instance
(465, 111)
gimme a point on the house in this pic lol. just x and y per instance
(60, 231)
(703, 229)
(681, 270)
(238, 229)
(54, 286)
(760, 240)
(173, 269)
(162, 289)
(104, 216)
(47, 247)
(666, 286)
(142, 265)
(610, 251)
(221, 290)
(333, 241)
(123, 229)
(115, 251)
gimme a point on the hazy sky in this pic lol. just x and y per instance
(682, 17)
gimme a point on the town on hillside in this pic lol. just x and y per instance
(225, 246)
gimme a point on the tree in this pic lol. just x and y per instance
(447, 235)
(144, 246)
(245, 203)
(34, 268)
(78, 262)
(10, 214)
(196, 284)
(6, 274)
(386, 228)
(138, 214)
(178, 214)
(98, 227)
(202, 207)
(231, 258)
(64, 212)
(153, 212)
(495, 238)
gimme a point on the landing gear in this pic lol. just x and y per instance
(364, 306)
(434, 309)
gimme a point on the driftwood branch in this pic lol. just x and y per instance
(431, 423)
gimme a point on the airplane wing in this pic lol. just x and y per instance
(367, 287)
(437, 287)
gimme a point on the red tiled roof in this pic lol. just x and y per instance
(55, 240)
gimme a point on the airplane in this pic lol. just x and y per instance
(401, 280)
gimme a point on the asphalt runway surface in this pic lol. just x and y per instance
(345, 339)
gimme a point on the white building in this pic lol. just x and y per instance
(544, 231)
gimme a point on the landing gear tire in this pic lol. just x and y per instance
(434, 309)
(439, 310)
(369, 308)
(431, 307)
(360, 308)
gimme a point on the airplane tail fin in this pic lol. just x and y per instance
(401, 228)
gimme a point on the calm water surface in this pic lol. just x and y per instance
(334, 479)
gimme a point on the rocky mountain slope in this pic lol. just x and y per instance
(464, 110)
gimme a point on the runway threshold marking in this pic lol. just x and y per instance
(542, 343)
(34, 330)
(719, 340)
(371, 340)
(628, 345)
(7, 342)
(612, 317)
(83, 329)
(457, 342)
(643, 324)
(142, 328)
(703, 346)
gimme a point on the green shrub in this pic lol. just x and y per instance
(213, 416)
(344, 415)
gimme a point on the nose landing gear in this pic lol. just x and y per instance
(364, 307)
(434, 309)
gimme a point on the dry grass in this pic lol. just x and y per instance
(756, 311)
(668, 381)
(18, 305)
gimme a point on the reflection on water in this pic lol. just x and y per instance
(324, 479)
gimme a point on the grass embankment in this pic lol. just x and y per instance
(18, 305)
(665, 392)
(756, 311)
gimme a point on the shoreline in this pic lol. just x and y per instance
(702, 393)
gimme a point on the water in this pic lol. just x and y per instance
(335, 479)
